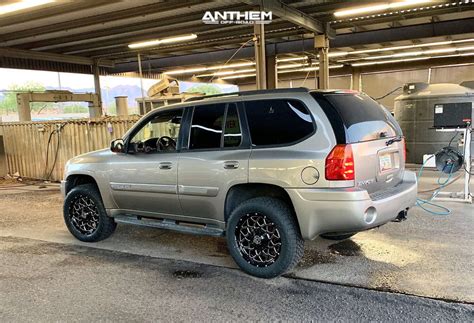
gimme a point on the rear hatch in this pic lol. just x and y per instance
(375, 138)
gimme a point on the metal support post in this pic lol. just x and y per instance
(96, 111)
(321, 44)
(272, 74)
(23, 104)
(259, 40)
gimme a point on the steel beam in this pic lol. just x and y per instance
(99, 19)
(292, 15)
(52, 57)
(442, 28)
(24, 100)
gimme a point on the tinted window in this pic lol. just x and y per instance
(278, 122)
(206, 127)
(232, 133)
(358, 116)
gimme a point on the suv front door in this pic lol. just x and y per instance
(215, 158)
(143, 181)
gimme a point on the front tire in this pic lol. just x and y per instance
(85, 216)
(264, 238)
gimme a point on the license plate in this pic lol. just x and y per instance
(385, 162)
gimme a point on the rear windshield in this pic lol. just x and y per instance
(355, 117)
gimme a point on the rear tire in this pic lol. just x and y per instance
(338, 237)
(85, 216)
(264, 238)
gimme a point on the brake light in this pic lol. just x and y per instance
(404, 150)
(340, 164)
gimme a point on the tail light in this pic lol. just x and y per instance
(340, 164)
(404, 150)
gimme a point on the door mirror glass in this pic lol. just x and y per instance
(117, 146)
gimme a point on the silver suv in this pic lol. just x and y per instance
(267, 169)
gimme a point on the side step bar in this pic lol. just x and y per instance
(183, 227)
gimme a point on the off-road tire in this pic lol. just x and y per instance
(281, 216)
(105, 225)
(338, 237)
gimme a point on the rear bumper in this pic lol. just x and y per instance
(350, 210)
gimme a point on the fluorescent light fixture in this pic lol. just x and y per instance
(237, 76)
(391, 61)
(229, 72)
(308, 69)
(291, 59)
(423, 52)
(21, 5)
(207, 68)
(378, 7)
(337, 54)
(167, 40)
(186, 71)
(285, 66)
(218, 67)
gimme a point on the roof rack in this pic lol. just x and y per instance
(245, 93)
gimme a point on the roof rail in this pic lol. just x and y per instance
(245, 93)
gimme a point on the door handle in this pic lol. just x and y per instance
(231, 164)
(165, 165)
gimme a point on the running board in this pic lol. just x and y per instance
(182, 227)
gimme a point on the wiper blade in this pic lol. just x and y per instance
(391, 141)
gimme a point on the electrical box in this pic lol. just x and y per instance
(452, 115)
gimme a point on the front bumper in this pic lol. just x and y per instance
(352, 209)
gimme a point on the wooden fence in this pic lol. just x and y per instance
(40, 149)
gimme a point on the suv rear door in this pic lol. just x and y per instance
(374, 136)
(216, 157)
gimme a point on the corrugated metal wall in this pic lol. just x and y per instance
(26, 143)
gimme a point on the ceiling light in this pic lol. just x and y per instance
(186, 71)
(167, 40)
(284, 66)
(237, 76)
(337, 54)
(208, 68)
(291, 59)
(21, 5)
(218, 67)
(308, 69)
(391, 61)
(423, 52)
(377, 8)
(230, 72)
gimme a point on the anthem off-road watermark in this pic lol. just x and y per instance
(237, 17)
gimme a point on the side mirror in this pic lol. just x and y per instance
(117, 146)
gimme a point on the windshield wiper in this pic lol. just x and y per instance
(391, 141)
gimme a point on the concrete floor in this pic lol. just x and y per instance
(426, 255)
(46, 282)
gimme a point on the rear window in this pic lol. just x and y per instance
(357, 117)
(278, 122)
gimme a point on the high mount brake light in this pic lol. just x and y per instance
(340, 164)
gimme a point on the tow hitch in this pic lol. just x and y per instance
(402, 216)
